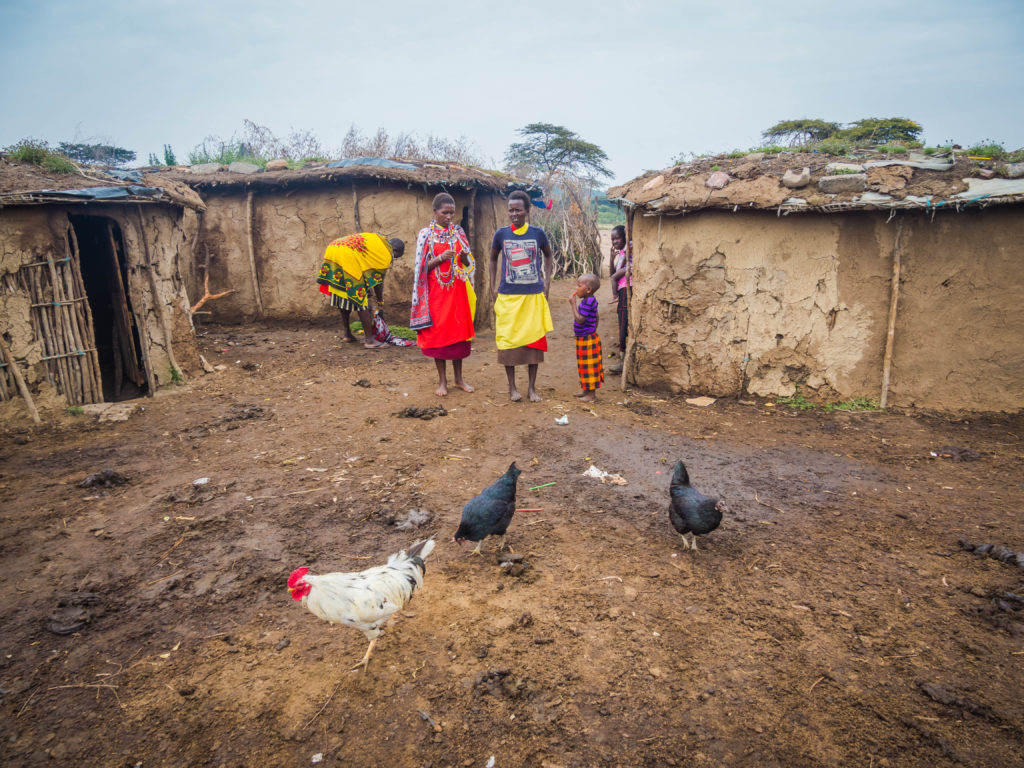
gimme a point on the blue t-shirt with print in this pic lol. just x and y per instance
(521, 259)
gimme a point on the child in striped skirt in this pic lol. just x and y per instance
(588, 343)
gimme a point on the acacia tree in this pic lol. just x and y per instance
(800, 132)
(570, 167)
(870, 130)
(881, 130)
(96, 154)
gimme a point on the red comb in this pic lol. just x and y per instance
(296, 576)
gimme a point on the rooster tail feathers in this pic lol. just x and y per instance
(679, 475)
(421, 549)
(514, 471)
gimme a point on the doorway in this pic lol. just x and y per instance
(104, 270)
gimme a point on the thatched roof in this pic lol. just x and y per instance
(413, 173)
(872, 181)
(27, 184)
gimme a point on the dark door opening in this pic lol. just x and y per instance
(105, 275)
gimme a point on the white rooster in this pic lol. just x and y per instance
(363, 599)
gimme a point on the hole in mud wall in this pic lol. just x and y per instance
(464, 223)
(105, 275)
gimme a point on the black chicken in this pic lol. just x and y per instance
(490, 512)
(690, 511)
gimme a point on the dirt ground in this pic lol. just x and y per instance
(832, 619)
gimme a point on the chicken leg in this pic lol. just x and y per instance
(366, 659)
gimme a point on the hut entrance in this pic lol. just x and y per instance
(105, 273)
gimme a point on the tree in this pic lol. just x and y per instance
(876, 130)
(96, 154)
(169, 158)
(549, 149)
(568, 167)
(800, 132)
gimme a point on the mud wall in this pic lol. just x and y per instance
(732, 303)
(289, 229)
(157, 243)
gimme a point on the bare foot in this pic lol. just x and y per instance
(514, 396)
(463, 386)
(534, 397)
(348, 339)
(589, 397)
(441, 391)
(374, 345)
(580, 394)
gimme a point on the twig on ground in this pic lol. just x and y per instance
(766, 505)
(292, 493)
(314, 717)
(815, 683)
(113, 688)
(25, 705)
(175, 544)
(164, 578)
(605, 578)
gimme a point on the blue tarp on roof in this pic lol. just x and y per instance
(106, 193)
(380, 162)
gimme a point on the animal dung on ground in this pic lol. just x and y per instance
(416, 412)
(1002, 554)
(106, 478)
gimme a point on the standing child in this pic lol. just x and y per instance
(621, 280)
(588, 343)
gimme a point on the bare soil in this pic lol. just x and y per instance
(832, 619)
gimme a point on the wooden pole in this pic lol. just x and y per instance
(165, 323)
(84, 309)
(20, 381)
(894, 297)
(355, 207)
(252, 255)
(627, 357)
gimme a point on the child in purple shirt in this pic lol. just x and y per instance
(588, 343)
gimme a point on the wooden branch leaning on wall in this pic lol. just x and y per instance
(252, 254)
(20, 381)
(207, 296)
(893, 304)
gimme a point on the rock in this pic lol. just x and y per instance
(717, 180)
(205, 364)
(848, 182)
(657, 181)
(833, 169)
(982, 549)
(239, 167)
(1013, 170)
(110, 411)
(796, 179)
(986, 173)
(509, 557)
(754, 157)
(204, 168)
(747, 171)
(277, 165)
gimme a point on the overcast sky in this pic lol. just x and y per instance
(645, 81)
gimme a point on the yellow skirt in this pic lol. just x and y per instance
(521, 319)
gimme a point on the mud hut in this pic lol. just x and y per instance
(893, 279)
(93, 306)
(264, 232)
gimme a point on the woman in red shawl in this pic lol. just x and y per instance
(443, 300)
